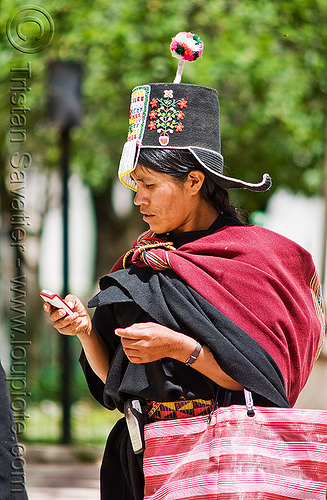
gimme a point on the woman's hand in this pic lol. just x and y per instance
(146, 342)
(78, 323)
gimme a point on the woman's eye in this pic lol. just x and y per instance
(149, 186)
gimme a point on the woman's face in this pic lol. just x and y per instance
(166, 204)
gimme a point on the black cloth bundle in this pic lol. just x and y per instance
(141, 294)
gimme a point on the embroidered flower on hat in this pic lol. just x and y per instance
(168, 93)
(179, 127)
(153, 115)
(182, 103)
(165, 117)
(180, 115)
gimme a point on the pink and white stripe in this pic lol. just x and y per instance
(279, 454)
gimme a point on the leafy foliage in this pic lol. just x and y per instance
(267, 61)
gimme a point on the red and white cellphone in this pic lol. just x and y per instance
(55, 301)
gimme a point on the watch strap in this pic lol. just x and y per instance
(194, 354)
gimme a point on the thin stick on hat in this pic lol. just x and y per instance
(185, 47)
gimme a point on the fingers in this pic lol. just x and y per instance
(134, 342)
(56, 314)
(136, 331)
(67, 324)
(125, 333)
(74, 303)
(146, 342)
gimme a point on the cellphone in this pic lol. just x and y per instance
(56, 301)
(134, 417)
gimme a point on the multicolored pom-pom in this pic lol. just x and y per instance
(187, 46)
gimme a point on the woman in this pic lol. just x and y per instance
(202, 305)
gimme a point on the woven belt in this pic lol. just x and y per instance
(182, 408)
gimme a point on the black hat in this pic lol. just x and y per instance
(178, 116)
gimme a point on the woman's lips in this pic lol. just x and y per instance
(147, 217)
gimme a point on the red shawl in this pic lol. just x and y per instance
(266, 284)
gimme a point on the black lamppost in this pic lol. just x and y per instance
(65, 111)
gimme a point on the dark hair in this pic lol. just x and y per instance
(179, 163)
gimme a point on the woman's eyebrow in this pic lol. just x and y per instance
(140, 179)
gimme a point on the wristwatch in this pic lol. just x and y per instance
(194, 355)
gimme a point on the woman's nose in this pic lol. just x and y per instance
(140, 198)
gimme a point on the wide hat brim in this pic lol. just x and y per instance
(178, 116)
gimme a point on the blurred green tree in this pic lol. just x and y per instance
(267, 61)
